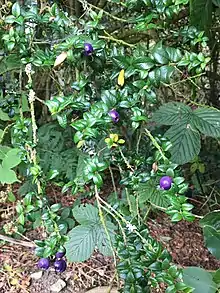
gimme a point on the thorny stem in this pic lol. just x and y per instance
(126, 161)
(31, 99)
(155, 144)
(5, 131)
(123, 220)
(103, 223)
(113, 181)
(85, 4)
(111, 38)
(16, 241)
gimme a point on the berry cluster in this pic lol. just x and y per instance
(8, 105)
(59, 263)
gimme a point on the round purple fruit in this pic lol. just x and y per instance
(44, 263)
(60, 254)
(114, 115)
(60, 265)
(88, 49)
(165, 182)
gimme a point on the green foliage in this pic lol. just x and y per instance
(10, 159)
(198, 8)
(56, 151)
(148, 192)
(78, 145)
(186, 126)
(210, 224)
(90, 234)
(199, 279)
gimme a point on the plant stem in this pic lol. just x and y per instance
(155, 143)
(18, 242)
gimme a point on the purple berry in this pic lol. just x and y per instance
(114, 115)
(60, 265)
(44, 263)
(165, 182)
(60, 254)
(88, 49)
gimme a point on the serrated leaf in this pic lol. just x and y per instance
(211, 219)
(212, 240)
(172, 113)
(185, 141)
(148, 192)
(103, 243)
(207, 121)
(60, 59)
(7, 176)
(3, 151)
(86, 215)
(11, 159)
(80, 245)
(199, 279)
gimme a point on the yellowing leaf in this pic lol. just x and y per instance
(80, 144)
(60, 59)
(14, 281)
(107, 140)
(121, 78)
(114, 137)
(121, 141)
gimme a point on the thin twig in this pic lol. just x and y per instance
(16, 241)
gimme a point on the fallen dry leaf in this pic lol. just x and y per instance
(60, 59)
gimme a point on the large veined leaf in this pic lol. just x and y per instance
(172, 113)
(207, 120)
(216, 2)
(201, 14)
(185, 141)
(86, 215)
(211, 219)
(199, 279)
(7, 176)
(212, 240)
(11, 159)
(102, 240)
(81, 244)
(211, 231)
(148, 193)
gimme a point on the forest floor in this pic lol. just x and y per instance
(19, 273)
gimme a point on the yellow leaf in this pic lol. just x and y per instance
(14, 281)
(121, 77)
(80, 144)
(107, 140)
(121, 141)
(60, 59)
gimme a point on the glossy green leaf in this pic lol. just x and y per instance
(16, 10)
